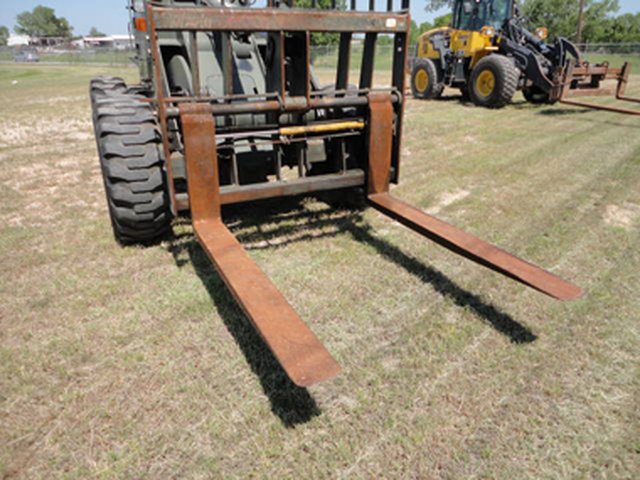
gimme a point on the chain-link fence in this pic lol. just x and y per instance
(70, 56)
(614, 53)
(323, 57)
(610, 48)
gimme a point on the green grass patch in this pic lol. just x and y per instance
(137, 362)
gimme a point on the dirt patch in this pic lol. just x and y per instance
(627, 216)
(40, 130)
(448, 198)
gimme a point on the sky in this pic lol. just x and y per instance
(111, 17)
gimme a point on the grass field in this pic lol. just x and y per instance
(136, 362)
(80, 57)
(328, 58)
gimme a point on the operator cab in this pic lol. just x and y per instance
(472, 15)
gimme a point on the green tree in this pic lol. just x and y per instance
(417, 30)
(433, 5)
(623, 28)
(425, 27)
(323, 38)
(561, 17)
(94, 32)
(414, 32)
(4, 36)
(443, 20)
(42, 22)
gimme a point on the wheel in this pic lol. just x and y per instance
(131, 159)
(424, 80)
(493, 81)
(106, 85)
(535, 95)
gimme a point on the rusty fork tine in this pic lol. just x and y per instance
(628, 99)
(380, 147)
(295, 346)
(600, 107)
(302, 356)
(623, 80)
(619, 74)
(475, 249)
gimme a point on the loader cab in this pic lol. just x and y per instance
(472, 15)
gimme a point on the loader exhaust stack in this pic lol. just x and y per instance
(237, 104)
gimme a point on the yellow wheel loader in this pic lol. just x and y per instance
(489, 55)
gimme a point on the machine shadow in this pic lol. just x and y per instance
(576, 113)
(292, 222)
(498, 320)
(351, 221)
(292, 404)
(459, 98)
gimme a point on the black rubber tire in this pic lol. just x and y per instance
(505, 77)
(107, 85)
(132, 162)
(434, 87)
(535, 95)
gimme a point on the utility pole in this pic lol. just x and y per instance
(580, 23)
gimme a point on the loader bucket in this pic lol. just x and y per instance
(357, 131)
(584, 80)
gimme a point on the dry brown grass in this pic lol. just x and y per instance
(136, 362)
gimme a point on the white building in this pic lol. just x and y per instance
(111, 42)
(17, 40)
(123, 42)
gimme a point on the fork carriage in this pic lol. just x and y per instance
(243, 117)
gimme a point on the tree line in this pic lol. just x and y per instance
(42, 22)
(602, 23)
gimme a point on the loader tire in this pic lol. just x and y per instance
(425, 82)
(493, 81)
(131, 159)
(106, 85)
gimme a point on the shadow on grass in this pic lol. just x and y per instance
(561, 111)
(497, 319)
(577, 113)
(294, 405)
(291, 222)
(463, 100)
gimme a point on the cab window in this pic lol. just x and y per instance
(475, 14)
(466, 15)
(496, 12)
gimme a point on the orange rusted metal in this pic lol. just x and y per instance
(293, 114)
(289, 20)
(462, 243)
(584, 80)
(475, 249)
(302, 356)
